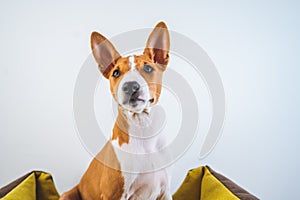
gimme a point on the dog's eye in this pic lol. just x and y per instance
(148, 69)
(116, 73)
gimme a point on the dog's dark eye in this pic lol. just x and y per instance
(148, 69)
(116, 73)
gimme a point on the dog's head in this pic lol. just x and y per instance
(135, 81)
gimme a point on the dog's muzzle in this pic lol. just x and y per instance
(132, 91)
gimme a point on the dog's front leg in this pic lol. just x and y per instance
(71, 195)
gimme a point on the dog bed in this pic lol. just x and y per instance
(199, 184)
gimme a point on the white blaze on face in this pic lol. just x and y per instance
(144, 94)
(131, 62)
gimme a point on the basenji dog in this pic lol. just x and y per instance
(122, 170)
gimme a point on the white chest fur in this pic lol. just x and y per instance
(143, 177)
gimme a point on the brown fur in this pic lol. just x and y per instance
(122, 64)
(120, 130)
(154, 80)
(100, 180)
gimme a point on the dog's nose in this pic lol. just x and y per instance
(130, 87)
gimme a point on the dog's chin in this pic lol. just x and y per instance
(137, 107)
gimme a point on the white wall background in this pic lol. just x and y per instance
(255, 46)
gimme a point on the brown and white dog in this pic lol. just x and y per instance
(135, 83)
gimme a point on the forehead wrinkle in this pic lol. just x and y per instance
(140, 60)
(122, 65)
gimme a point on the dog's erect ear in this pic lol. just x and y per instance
(158, 44)
(104, 53)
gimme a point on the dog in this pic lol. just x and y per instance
(118, 172)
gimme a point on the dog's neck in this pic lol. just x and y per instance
(138, 120)
(132, 125)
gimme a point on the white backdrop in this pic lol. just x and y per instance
(254, 45)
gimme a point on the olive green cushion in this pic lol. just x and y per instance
(205, 184)
(33, 186)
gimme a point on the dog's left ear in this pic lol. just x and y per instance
(158, 44)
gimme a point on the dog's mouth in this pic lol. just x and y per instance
(135, 98)
(142, 100)
(151, 100)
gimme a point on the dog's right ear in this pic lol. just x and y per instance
(104, 53)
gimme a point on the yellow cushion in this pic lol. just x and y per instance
(25, 190)
(212, 188)
(190, 188)
(33, 186)
(204, 184)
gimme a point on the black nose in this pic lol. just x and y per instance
(131, 87)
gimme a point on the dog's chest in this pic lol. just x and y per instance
(142, 178)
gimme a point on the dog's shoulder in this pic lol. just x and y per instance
(104, 173)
